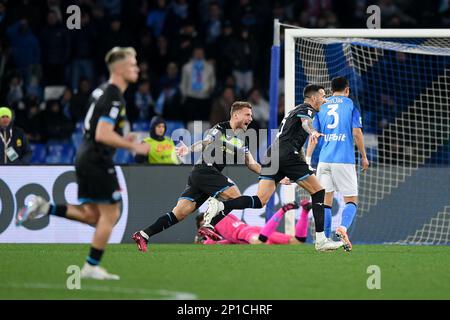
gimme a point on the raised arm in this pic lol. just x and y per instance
(198, 146)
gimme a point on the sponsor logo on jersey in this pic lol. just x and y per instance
(335, 137)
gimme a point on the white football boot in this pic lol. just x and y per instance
(328, 245)
(97, 273)
(214, 207)
(36, 208)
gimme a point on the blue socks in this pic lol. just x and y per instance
(327, 222)
(347, 217)
(348, 214)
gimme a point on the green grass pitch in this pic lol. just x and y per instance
(38, 271)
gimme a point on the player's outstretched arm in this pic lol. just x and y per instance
(359, 140)
(105, 134)
(181, 149)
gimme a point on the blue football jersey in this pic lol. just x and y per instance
(336, 120)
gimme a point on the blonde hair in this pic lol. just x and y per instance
(239, 105)
(117, 54)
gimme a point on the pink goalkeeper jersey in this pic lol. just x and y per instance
(238, 232)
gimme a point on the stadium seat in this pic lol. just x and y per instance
(123, 156)
(39, 153)
(172, 126)
(60, 153)
(77, 138)
(79, 127)
(140, 126)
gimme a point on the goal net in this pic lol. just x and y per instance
(400, 80)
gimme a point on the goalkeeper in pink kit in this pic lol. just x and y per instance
(232, 230)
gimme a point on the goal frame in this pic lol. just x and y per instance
(290, 34)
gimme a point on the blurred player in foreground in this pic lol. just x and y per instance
(340, 122)
(98, 187)
(234, 231)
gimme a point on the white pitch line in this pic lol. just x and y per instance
(165, 294)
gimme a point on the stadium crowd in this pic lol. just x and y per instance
(195, 57)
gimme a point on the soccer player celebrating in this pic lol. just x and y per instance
(224, 141)
(340, 122)
(98, 187)
(287, 153)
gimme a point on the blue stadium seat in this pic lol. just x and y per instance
(123, 156)
(140, 126)
(77, 138)
(79, 127)
(172, 126)
(39, 153)
(60, 153)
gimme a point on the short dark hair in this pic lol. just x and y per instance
(311, 89)
(339, 84)
(239, 105)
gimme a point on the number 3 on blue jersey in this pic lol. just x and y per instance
(332, 112)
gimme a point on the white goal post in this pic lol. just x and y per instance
(377, 36)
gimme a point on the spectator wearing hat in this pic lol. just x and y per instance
(14, 147)
(162, 148)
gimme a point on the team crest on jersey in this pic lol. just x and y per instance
(19, 143)
(214, 132)
(123, 112)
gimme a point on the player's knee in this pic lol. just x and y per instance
(184, 209)
(91, 217)
(114, 215)
(318, 197)
(230, 193)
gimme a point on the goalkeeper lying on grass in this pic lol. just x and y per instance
(231, 230)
